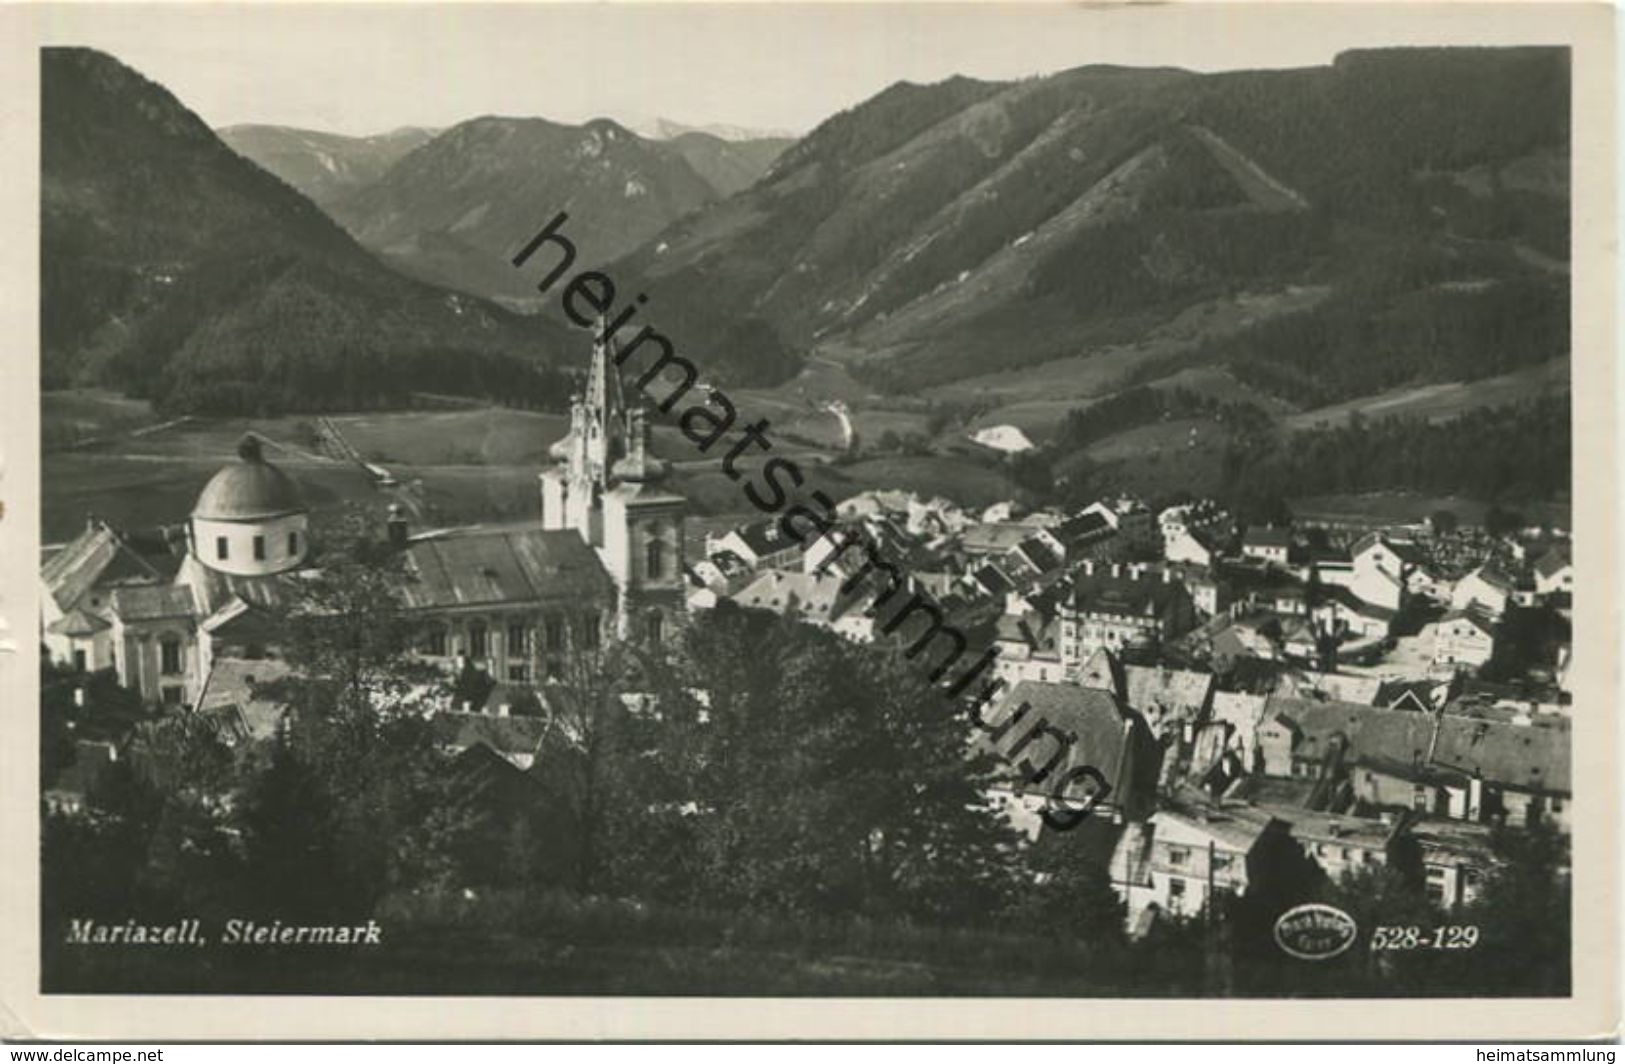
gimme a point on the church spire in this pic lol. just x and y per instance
(606, 407)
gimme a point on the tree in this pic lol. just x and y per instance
(830, 777)
(1070, 890)
(1444, 522)
(345, 631)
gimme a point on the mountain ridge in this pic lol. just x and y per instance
(176, 269)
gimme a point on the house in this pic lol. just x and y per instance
(1172, 861)
(1340, 844)
(1241, 713)
(518, 740)
(1121, 607)
(819, 599)
(1554, 573)
(1467, 768)
(233, 699)
(1164, 694)
(1464, 638)
(1342, 612)
(1393, 556)
(1195, 547)
(1330, 567)
(1267, 543)
(1332, 687)
(1089, 535)
(1488, 586)
(1061, 748)
(759, 544)
(1454, 859)
(1027, 649)
(993, 538)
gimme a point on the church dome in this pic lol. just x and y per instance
(249, 489)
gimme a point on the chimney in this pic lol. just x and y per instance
(396, 525)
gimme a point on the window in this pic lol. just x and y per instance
(518, 640)
(170, 656)
(1419, 799)
(654, 559)
(293, 544)
(657, 626)
(476, 640)
(589, 631)
(519, 673)
(1177, 855)
(435, 642)
(79, 660)
(222, 550)
(554, 629)
(172, 696)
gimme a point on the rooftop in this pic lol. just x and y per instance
(478, 566)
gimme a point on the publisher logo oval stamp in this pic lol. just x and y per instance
(1315, 932)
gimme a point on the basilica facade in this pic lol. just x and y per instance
(183, 614)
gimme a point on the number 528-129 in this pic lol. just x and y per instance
(1445, 936)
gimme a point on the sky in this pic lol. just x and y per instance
(368, 68)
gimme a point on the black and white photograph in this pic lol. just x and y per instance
(796, 501)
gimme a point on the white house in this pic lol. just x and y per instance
(1487, 586)
(1269, 544)
(1464, 638)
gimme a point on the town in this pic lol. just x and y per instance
(1358, 694)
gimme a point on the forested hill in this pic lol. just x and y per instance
(455, 210)
(944, 231)
(174, 268)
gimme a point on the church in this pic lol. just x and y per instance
(183, 614)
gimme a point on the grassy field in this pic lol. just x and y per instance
(1035, 398)
(72, 415)
(1406, 507)
(1437, 402)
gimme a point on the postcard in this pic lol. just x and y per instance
(798, 521)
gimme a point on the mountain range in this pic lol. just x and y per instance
(324, 166)
(456, 209)
(1412, 198)
(1320, 234)
(176, 269)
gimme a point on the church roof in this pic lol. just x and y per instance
(249, 489)
(77, 623)
(97, 555)
(153, 603)
(486, 566)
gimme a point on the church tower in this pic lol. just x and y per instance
(607, 486)
(572, 492)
